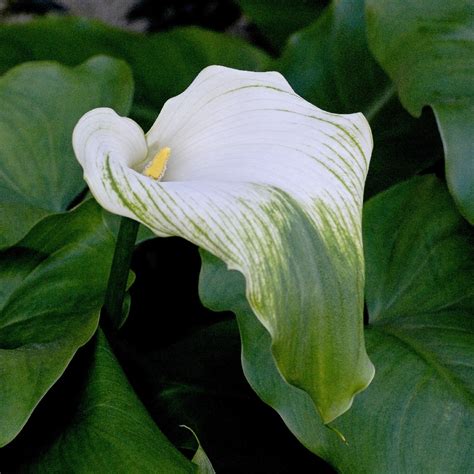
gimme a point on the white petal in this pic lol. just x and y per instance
(271, 185)
(251, 127)
(101, 134)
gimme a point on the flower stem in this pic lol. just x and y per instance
(117, 284)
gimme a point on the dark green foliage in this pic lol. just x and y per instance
(76, 399)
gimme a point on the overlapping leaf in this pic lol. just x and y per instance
(39, 106)
(427, 48)
(163, 64)
(419, 410)
(277, 19)
(52, 288)
(109, 429)
(329, 64)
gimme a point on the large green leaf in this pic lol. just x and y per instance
(52, 287)
(427, 48)
(329, 64)
(163, 64)
(109, 429)
(418, 413)
(39, 106)
(277, 19)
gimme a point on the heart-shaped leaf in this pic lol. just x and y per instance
(39, 106)
(52, 288)
(329, 64)
(427, 48)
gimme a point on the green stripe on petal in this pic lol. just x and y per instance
(271, 185)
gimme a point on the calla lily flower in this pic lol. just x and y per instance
(243, 167)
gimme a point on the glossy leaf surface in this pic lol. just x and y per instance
(329, 64)
(52, 288)
(39, 106)
(427, 48)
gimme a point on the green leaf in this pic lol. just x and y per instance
(329, 64)
(419, 258)
(52, 288)
(110, 430)
(163, 64)
(277, 19)
(203, 463)
(427, 48)
(417, 415)
(39, 105)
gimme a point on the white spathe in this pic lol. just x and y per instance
(259, 177)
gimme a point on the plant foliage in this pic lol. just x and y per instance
(78, 396)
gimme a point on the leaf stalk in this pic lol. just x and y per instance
(112, 311)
